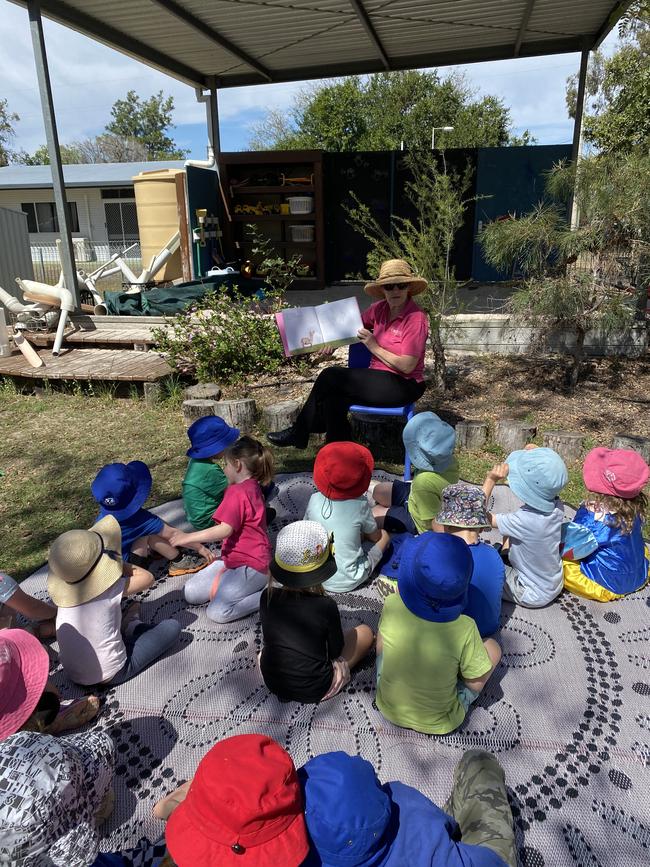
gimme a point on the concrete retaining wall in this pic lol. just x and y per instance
(505, 335)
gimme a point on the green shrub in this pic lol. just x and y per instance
(224, 338)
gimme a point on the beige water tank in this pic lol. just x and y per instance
(158, 220)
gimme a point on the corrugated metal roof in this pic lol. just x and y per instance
(84, 175)
(237, 42)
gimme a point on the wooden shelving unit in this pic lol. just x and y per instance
(242, 173)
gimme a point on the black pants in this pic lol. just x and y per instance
(337, 388)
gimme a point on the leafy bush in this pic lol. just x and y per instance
(224, 338)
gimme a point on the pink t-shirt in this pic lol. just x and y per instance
(243, 508)
(405, 335)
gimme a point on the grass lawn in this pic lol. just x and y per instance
(52, 447)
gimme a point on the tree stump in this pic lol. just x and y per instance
(203, 391)
(193, 409)
(568, 444)
(237, 413)
(282, 415)
(381, 434)
(471, 435)
(637, 444)
(512, 433)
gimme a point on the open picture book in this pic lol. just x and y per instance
(306, 329)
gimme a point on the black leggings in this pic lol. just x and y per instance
(337, 388)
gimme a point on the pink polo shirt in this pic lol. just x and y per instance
(243, 508)
(405, 335)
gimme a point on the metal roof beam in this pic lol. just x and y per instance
(59, 11)
(607, 25)
(214, 36)
(367, 25)
(525, 18)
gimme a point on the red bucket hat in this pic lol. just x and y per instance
(342, 470)
(618, 472)
(244, 808)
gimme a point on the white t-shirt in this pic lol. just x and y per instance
(91, 648)
(349, 521)
(535, 551)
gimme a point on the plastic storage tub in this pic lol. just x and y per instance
(301, 234)
(300, 204)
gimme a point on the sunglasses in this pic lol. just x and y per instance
(389, 286)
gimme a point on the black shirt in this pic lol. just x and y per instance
(301, 633)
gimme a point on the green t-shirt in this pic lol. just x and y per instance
(203, 488)
(421, 664)
(426, 490)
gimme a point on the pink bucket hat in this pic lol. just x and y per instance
(24, 666)
(617, 472)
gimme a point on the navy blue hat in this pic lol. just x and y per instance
(122, 489)
(209, 436)
(350, 830)
(434, 574)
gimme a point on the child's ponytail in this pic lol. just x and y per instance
(255, 456)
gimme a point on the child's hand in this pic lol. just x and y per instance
(529, 446)
(205, 552)
(498, 472)
(178, 539)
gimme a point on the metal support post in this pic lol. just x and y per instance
(212, 108)
(52, 139)
(576, 148)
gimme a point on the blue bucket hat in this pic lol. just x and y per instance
(209, 436)
(122, 489)
(347, 831)
(429, 442)
(434, 574)
(537, 476)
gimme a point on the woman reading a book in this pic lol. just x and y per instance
(394, 331)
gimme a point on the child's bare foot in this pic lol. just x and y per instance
(74, 715)
(166, 806)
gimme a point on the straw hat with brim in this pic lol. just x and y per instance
(434, 575)
(84, 563)
(24, 666)
(395, 271)
(122, 489)
(243, 809)
(303, 555)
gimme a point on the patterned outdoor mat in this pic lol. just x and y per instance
(567, 713)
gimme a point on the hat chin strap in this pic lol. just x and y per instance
(96, 561)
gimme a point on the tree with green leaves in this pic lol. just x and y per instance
(617, 116)
(146, 121)
(377, 112)
(7, 121)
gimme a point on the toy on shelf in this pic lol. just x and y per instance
(307, 181)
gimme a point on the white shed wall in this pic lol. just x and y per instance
(90, 208)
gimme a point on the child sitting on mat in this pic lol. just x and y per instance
(463, 514)
(342, 473)
(431, 662)
(409, 507)
(16, 601)
(233, 584)
(531, 546)
(613, 513)
(121, 490)
(305, 655)
(87, 579)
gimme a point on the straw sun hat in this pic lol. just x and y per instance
(84, 563)
(394, 271)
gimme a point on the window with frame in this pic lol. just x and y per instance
(41, 217)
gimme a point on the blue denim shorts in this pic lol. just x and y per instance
(466, 696)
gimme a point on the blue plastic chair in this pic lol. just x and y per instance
(359, 356)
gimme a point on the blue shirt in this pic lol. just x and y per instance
(485, 588)
(619, 564)
(143, 523)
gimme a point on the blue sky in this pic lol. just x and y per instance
(87, 78)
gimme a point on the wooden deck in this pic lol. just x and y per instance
(120, 331)
(112, 365)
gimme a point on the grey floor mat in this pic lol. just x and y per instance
(567, 713)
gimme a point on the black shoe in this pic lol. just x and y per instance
(286, 437)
